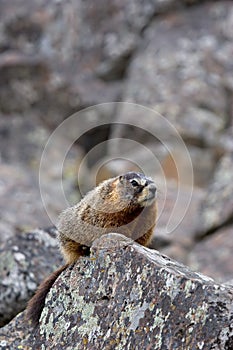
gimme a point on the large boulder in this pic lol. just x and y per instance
(217, 264)
(25, 260)
(59, 57)
(216, 208)
(183, 71)
(126, 296)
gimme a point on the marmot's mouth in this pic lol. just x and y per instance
(149, 199)
(151, 196)
(148, 195)
(152, 193)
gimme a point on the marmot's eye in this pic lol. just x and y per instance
(134, 183)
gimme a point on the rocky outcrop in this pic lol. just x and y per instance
(218, 264)
(25, 260)
(217, 208)
(182, 71)
(214, 230)
(63, 56)
(59, 57)
(19, 190)
(126, 296)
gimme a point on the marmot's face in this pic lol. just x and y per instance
(138, 188)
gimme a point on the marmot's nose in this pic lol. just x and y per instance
(152, 188)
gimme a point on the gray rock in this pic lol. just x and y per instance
(177, 243)
(25, 260)
(33, 202)
(19, 190)
(217, 264)
(157, 72)
(59, 57)
(127, 296)
(22, 81)
(217, 206)
(182, 71)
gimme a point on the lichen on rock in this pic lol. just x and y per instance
(125, 296)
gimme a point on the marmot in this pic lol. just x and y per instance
(124, 204)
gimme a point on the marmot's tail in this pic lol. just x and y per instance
(36, 304)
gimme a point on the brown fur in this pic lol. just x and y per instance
(116, 205)
(36, 304)
(72, 250)
(113, 206)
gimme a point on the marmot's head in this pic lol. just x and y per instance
(136, 188)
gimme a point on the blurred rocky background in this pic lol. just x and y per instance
(59, 57)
